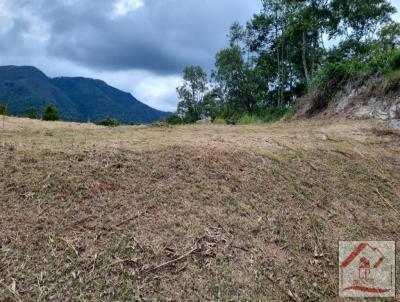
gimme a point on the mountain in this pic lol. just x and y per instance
(77, 99)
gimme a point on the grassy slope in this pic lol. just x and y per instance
(89, 213)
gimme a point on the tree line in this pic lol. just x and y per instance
(50, 112)
(284, 51)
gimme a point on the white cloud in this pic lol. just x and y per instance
(154, 90)
(158, 91)
(396, 3)
(123, 7)
(6, 20)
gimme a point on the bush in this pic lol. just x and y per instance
(160, 123)
(109, 122)
(219, 121)
(134, 123)
(50, 113)
(383, 62)
(174, 119)
(391, 82)
(31, 113)
(265, 115)
(274, 114)
(394, 60)
(250, 119)
(335, 75)
(3, 109)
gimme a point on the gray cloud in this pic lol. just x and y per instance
(161, 36)
(141, 50)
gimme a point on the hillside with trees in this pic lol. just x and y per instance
(288, 50)
(26, 91)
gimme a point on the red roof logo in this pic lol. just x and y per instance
(365, 270)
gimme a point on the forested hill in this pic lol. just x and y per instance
(77, 99)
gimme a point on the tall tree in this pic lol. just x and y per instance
(191, 93)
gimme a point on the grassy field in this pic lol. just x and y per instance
(190, 213)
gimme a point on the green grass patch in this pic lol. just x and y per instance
(248, 119)
(220, 121)
(274, 114)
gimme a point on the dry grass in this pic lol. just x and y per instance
(190, 213)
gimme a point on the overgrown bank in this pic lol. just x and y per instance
(359, 87)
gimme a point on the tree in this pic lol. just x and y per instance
(211, 105)
(359, 19)
(286, 38)
(50, 113)
(237, 35)
(191, 94)
(31, 113)
(174, 119)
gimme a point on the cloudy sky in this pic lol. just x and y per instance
(139, 46)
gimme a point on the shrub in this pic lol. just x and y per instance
(219, 121)
(335, 75)
(134, 123)
(174, 119)
(3, 109)
(395, 60)
(50, 113)
(161, 124)
(274, 114)
(31, 113)
(391, 82)
(290, 111)
(265, 115)
(383, 62)
(109, 122)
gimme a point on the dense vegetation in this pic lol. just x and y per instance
(282, 53)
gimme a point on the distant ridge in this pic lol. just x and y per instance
(78, 99)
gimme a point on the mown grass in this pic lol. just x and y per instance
(99, 215)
